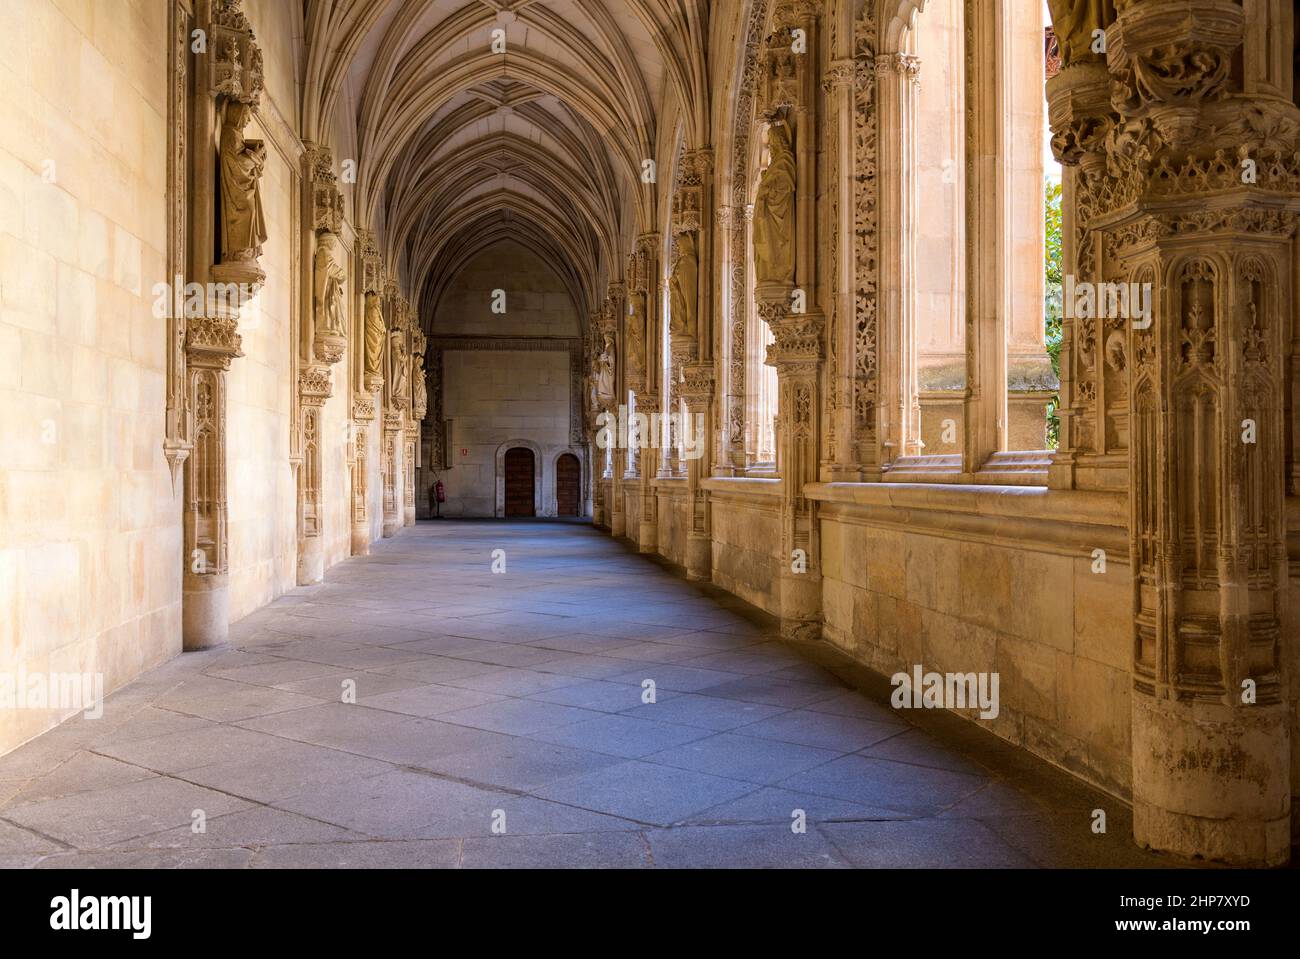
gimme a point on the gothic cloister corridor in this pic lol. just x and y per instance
(521, 692)
(650, 433)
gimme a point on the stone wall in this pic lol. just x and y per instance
(1037, 615)
(263, 497)
(746, 532)
(89, 519)
(495, 397)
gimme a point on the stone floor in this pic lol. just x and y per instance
(499, 721)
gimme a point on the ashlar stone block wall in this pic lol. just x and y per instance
(89, 520)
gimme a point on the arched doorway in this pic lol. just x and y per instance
(519, 479)
(568, 485)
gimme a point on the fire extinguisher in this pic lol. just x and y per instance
(439, 497)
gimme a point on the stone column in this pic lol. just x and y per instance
(412, 437)
(397, 391)
(786, 268)
(313, 391)
(1185, 198)
(391, 452)
(985, 415)
(363, 414)
(796, 354)
(647, 401)
(323, 344)
(218, 239)
(212, 341)
(1092, 451)
(839, 83)
(616, 311)
(697, 394)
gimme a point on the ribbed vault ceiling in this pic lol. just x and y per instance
(460, 147)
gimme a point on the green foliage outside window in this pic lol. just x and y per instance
(1052, 298)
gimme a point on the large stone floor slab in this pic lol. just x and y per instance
(587, 708)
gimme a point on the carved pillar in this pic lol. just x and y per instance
(397, 389)
(412, 434)
(840, 86)
(697, 396)
(367, 372)
(212, 341)
(391, 463)
(218, 239)
(648, 400)
(618, 322)
(419, 410)
(796, 353)
(323, 344)
(363, 414)
(692, 349)
(314, 390)
(868, 452)
(731, 421)
(786, 270)
(1182, 214)
(1093, 441)
(897, 78)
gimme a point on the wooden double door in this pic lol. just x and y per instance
(521, 483)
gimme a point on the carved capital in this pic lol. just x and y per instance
(697, 382)
(314, 386)
(363, 407)
(213, 341)
(841, 75)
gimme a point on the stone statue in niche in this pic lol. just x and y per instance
(774, 211)
(376, 331)
(684, 287)
(330, 275)
(636, 334)
(1074, 22)
(243, 225)
(421, 389)
(605, 371)
(401, 370)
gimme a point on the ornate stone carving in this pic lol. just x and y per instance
(866, 230)
(363, 407)
(243, 224)
(314, 386)
(684, 286)
(774, 210)
(636, 318)
(327, 199)
(400, 362)
(214, 339)
(330, 275)
(420, 390)
(376, 334)
(235, 62)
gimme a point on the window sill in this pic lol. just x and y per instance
(1009, 468)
